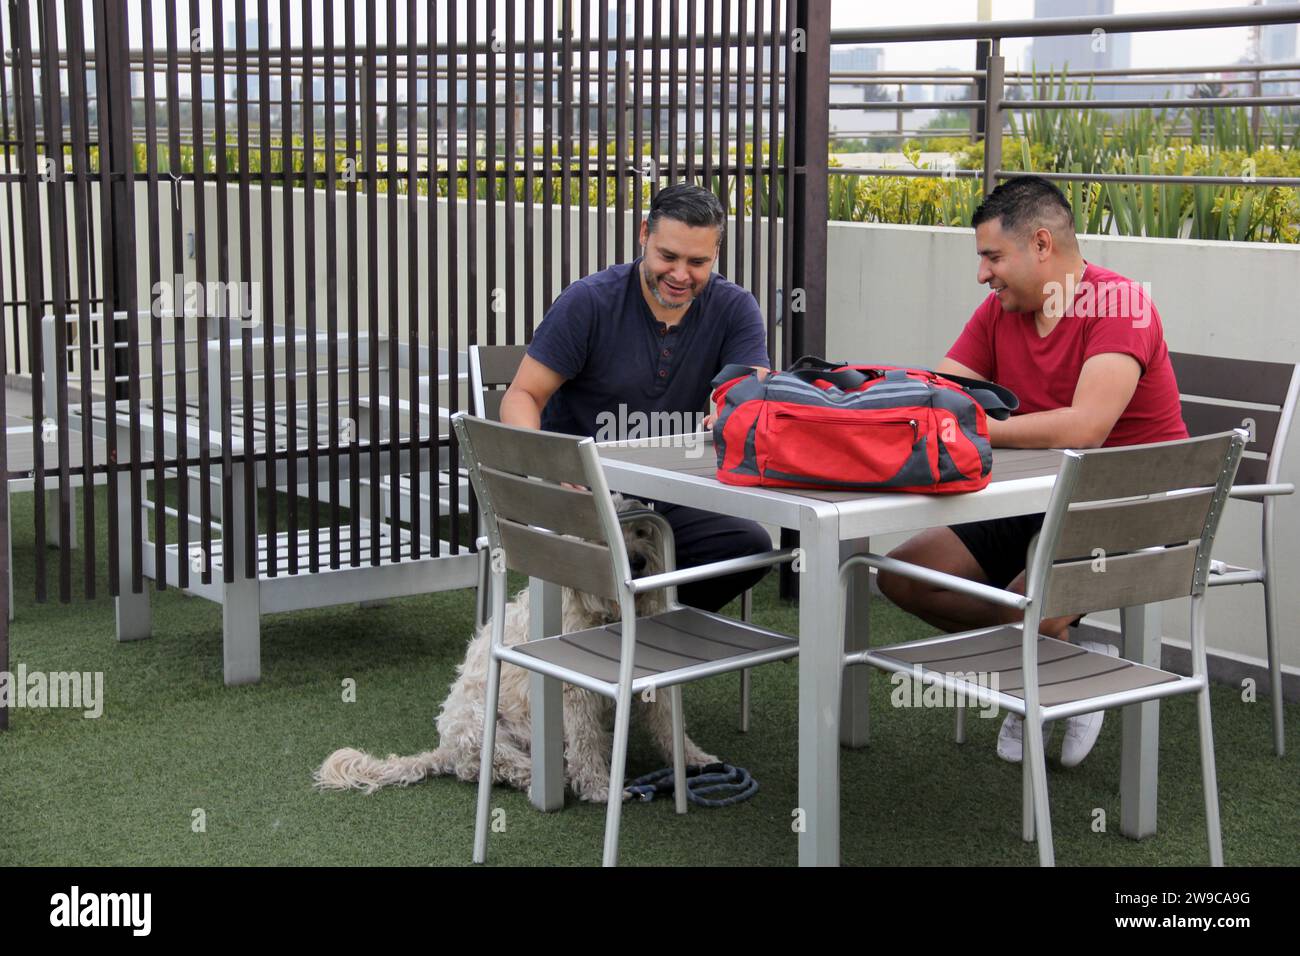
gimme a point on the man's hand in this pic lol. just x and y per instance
(1106, 386)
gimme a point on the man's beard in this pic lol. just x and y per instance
(653, 285)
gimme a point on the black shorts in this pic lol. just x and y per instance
(999, 546)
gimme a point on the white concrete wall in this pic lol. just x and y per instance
(901, 294)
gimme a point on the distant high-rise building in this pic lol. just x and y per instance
(1097, 49)
(856, 59)
(1277, 40)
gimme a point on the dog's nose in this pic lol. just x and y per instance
(638, 563)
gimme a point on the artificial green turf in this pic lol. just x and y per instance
(123, 789)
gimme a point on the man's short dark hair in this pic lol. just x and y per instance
(1024, 204)
(688, 203)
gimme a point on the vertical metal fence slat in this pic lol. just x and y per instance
(530, 200)
(55, 178)
(269, 310)
(228, 560)
(566, 142)
(309, 258)
(620, 167)
(656, 93)
(548, 170)
(602, 138)
(491, 121)
(331, 277)
(125, 263)
(200, 253)
(247, 301)
(453, 249)
(102, 85)
(690, 92)
(155, 268)
(287, 164)
(433, 442)
(33, 266)
(354, 382)
(738, 252)
(773, 182)
(810, 244)
(638, 176)
(179, 358)
(584, 146)
(708, 95)
(6, 528)
(125, 259)
(471, 264)
(790, 86)
(512, 307)
(755, 242)
(11, 300)
(724, 125)
(413, 275)
(76, 43)
(370, 117)
(674, 16)
(394, 375)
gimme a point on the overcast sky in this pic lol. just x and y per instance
(1184, 48)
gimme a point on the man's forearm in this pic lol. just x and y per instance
(520, 409)
(1058, 428)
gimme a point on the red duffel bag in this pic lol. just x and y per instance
(855, 428)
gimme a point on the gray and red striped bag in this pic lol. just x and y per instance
(855, 427)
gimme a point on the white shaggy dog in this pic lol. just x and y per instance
(587, 738)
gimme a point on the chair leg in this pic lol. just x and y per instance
(746, 612)
(1209, 778)
(679, 747)
(487, 756)
(1036, 760)
(1026, 801)
(1274, 661)
(617, 768)
(481, 599)
(959, 730)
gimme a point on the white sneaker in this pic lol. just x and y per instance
(1081, 732)
(1011, 744)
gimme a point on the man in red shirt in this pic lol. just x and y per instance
(1084, 350)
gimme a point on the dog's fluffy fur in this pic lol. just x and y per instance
(587, 738)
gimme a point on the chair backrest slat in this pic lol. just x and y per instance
(498, 363)
(524, 451)
(1203, 419)
(1135, 470)
(568, 561)
(1113, 529)
(560, 509)
(1236, 380)
(491, 408)
(1143, 577)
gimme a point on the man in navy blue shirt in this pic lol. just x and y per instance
(636, 346)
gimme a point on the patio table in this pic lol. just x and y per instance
(833, 525)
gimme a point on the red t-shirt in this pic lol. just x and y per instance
(1107, 313)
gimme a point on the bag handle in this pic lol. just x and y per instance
(998, 402)
(810, 368)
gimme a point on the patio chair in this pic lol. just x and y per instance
(491, 370)
(1124, 526)
(1207, 382)
(570, 536)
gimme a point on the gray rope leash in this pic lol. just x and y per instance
(713, 778)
